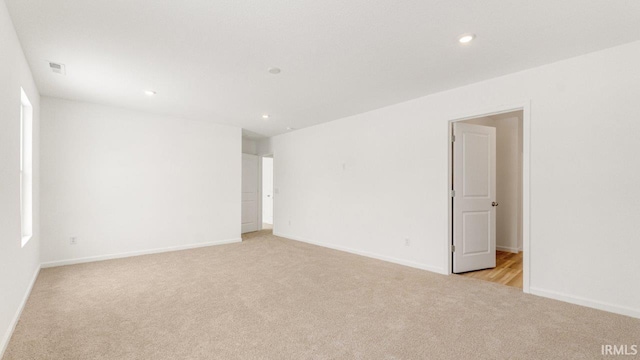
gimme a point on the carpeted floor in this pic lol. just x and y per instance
(273, 298)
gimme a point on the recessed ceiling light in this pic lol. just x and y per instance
(149, 92)
(265, 116)
(466, 38)
(274, 70)
(290, 128)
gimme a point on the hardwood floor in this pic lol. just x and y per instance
(508, 270)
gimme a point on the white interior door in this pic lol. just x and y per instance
(267, 190)
(474, 199)
(250, 178)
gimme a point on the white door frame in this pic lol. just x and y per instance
(525, 107)
(260, 190)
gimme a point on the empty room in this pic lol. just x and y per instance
(206, 179)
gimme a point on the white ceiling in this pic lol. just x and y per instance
(208, 59)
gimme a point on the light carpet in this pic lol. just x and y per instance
(273, 298)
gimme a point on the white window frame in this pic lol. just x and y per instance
(26, 167)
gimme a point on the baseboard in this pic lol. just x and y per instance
(408, 263)
(136, 253)
(16, 317)
(622, 310)
(507, 249)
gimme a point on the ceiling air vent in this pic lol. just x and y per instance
(57, 68)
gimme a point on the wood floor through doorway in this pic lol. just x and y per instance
(508, 270)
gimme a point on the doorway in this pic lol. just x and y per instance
(267, 192)
(250, 193)
(489, 193)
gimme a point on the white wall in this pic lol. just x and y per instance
(257, 147)
(520, 185)
(509, 155)
(264, 147)
(250, 193)
(125, 182)
(366, 182)
(249, 146)
(18, 265)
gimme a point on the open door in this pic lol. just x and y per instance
(250, 176)
(474, 197)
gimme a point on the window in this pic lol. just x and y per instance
(26, 167)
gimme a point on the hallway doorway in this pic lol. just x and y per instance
(487, 202)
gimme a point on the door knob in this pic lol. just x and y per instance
(493, 203)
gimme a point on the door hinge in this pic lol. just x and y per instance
(453, 248)
(453, 138)
(453, 193)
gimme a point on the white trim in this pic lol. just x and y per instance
(16, 317)
(577, 300)
(137, 253)
(526, 197)
(390, 259)
(525, 107)
(514, 250)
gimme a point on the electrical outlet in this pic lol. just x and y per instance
(407, 242)
(73, 240)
